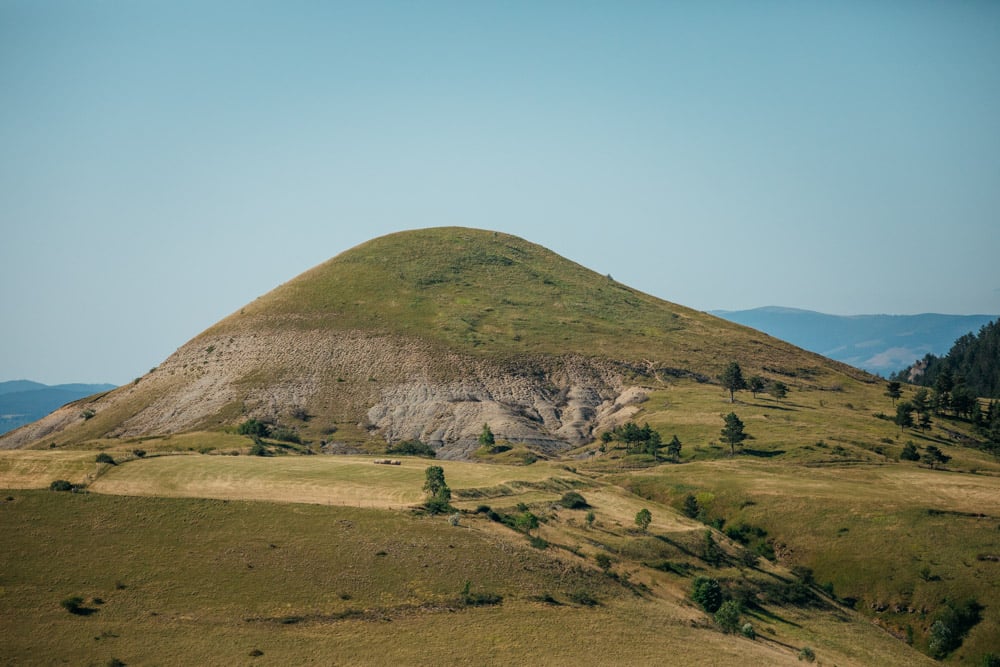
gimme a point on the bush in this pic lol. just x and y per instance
(910, 452)
(807, 654)
(748, 631)
(60, 485)
(73, 604)
(471, 599)
(728, 616)
(252, 427)
(538, 542)
(603, 561)
(88, 414)
(104, 457)
(573, 501)
(285, 434)
(583, 597)
(139, 453)
(708, 593)
(412, 448)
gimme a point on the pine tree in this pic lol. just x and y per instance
(732, 379)
(732, 432)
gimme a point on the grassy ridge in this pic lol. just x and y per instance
(494, 294)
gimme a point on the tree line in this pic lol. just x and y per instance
(973, 362)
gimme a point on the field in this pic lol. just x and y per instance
(186, 567)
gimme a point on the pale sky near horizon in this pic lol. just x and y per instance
(162, 163)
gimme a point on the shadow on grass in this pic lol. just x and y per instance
(763, 453)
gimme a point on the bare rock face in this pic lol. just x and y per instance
(385, 384)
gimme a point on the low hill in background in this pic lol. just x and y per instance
(881, 344)
(25, 401)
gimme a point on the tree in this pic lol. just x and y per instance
(708, 593)
(691, 508)
(674, 449)
(904, 415)
(434, 479)
(893, 390)
(778, 389)
(590, 518)
(732, 432)
(526, 521)
(933, 456)
(728, 616)
(486, 437)
(435, 486)
(756, 385)
(732, 379)
(643, 518)
(921, 400)
(910, 452)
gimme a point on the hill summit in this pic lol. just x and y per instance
(428, 335)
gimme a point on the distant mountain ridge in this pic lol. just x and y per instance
(881, 344)
(25, 401)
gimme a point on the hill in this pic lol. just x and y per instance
(974, 360)
(818, 528)
(881, 344)
(24, 401)
(430, 334)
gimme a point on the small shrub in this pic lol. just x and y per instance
(590, 519)
(115, 662)
(256, 653)
(139, 453)
(73, 604)
(538, 542)
(573, 501)
(807, 654)
(104, 457)
(603, 561)
(285, 434)
(412, 448)
(728, 616)
(748, 631)
(60, 485)
(88, 414)
(471, 599)
(454, 519)
(252, 427)
(583, 597)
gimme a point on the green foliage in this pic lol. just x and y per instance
(471, 599)
(728, 616)
(573, 501)
(603, 561)
(436, 487)
(87, 414)
(638, 439)
(711, 552)
(589, 519)
(807, 654)
(73, 604)
(707, 592)
(732, 433)
(732, 379)
(756, 385)
(748, 631)
(583, 597)
(904, 415)
(893, 390)
(285, 434)
(252, 427)
(674, 448)
(973, 357)
(104, 457)
(952, 622)
(61, 485)
(778, 389)
(486, 437)
(910, 452)
(526, 522)
(643, 518)
(412, 448)
(690, 507)
(933, 456)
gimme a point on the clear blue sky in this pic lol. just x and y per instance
(163, 163)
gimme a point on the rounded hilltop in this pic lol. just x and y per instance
(429, 334)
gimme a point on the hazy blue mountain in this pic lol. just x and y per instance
(879, 344)
(24, 401)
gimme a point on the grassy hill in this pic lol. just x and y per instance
(815, 525)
